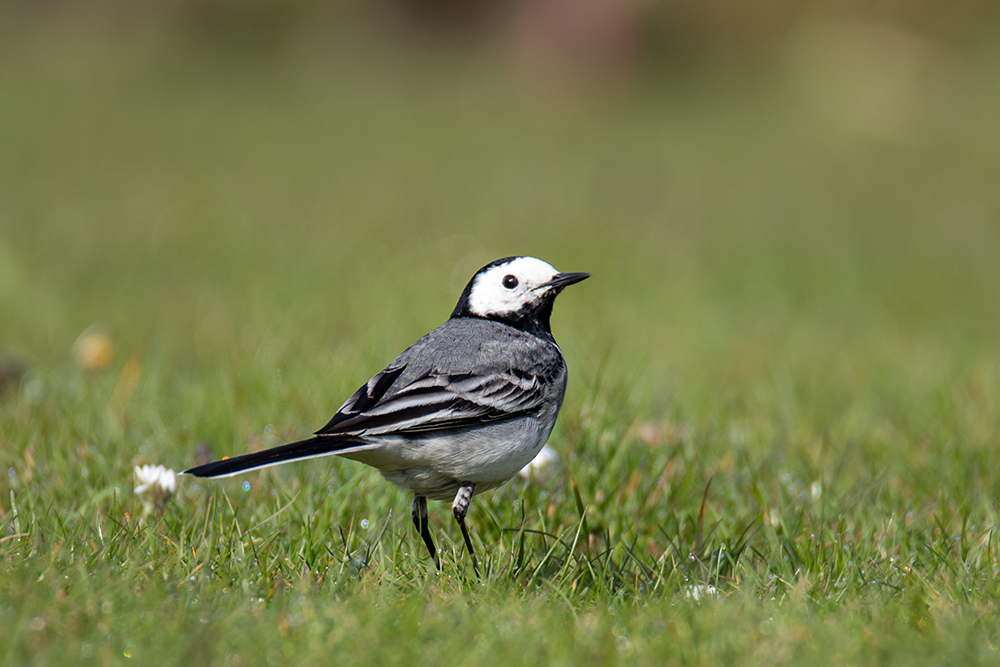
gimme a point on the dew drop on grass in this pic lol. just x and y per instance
(246, 486)
(364, 523)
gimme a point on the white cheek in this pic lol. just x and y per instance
(490, 299)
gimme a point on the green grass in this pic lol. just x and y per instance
(785, 379)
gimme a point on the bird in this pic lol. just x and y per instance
(460, 411)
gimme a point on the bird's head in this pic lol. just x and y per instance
(518, 291)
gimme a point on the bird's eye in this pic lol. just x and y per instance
(509, 281)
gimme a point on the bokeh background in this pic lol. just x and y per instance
(737, 171)
(745, 179)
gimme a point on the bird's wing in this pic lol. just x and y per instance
(435, 401)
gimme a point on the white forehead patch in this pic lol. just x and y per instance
(489, 296)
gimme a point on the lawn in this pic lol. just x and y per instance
(780, 439)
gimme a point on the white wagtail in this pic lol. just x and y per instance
(463, 409)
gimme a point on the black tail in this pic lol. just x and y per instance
(294, 451)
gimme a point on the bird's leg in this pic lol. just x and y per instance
(460, 508)
(423, 527)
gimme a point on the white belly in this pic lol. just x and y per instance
(436, 466)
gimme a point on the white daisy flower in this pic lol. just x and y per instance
(158, 478)
(700, 592)
(154, 484)
(544, 462)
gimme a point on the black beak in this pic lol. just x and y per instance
(561, 280)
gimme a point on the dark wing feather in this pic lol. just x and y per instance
(435, 401)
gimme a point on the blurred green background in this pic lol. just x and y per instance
(783, 178)
(790, 211)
